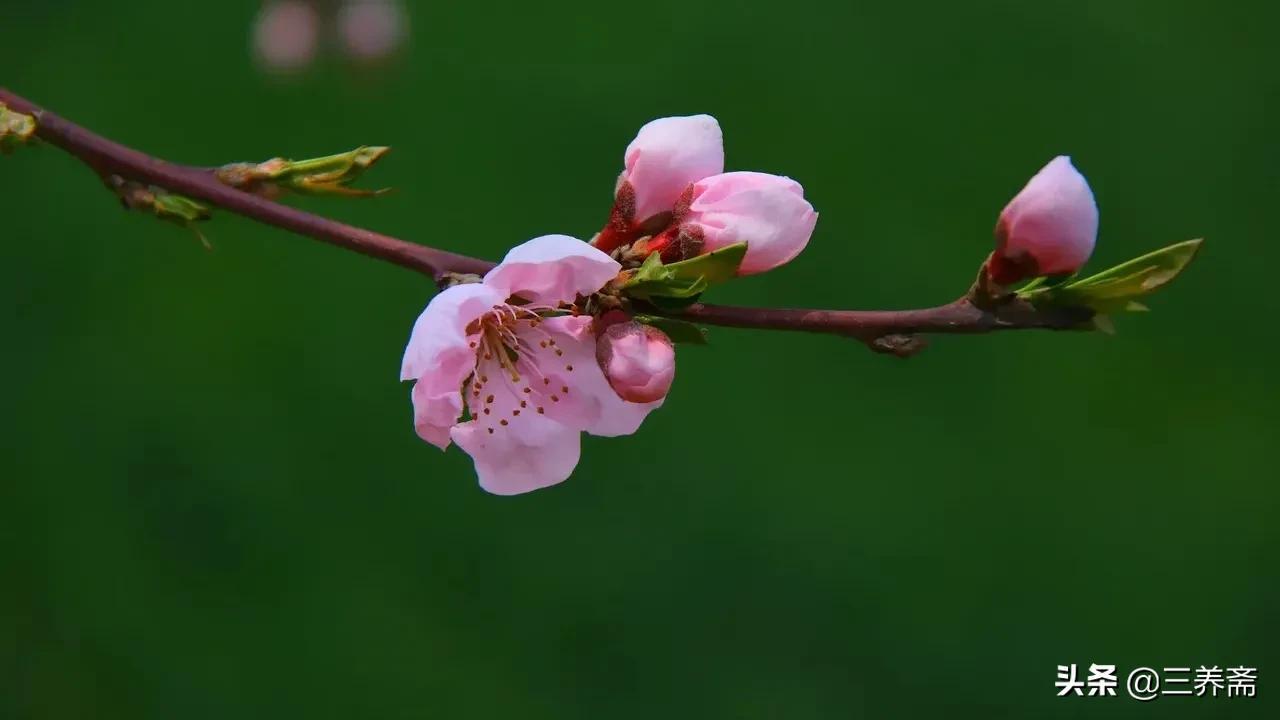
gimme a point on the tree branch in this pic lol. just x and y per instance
(883, 330)
(104, 155)
(959, 317)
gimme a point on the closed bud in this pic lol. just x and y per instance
(767, 212)
(638, 360)
(1049, 228)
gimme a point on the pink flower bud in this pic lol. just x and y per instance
(638, 360)
(1049, 228)
(668, 155)
(768, 212)
(285, 35)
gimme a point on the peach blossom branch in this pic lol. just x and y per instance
(890, 331)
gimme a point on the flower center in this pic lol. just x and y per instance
(520, 367)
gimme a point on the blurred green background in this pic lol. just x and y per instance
(214, 504)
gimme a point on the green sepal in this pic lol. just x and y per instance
(1117, 289)
(680, 331)
(687, 279)
(329, 175)
(15, 129)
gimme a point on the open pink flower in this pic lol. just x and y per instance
(674, 191)
(1049, 228)
(502, 370)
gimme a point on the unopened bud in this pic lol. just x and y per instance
(767, 212)
(1049, 228)
(638, 360)
(15, 129)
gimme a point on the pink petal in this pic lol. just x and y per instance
(440, 358)
(669, 154)
(516, 450)
(593, 406)
(768, 212)
(437, 398)
(1052, 222)
(428, 411)
(552, 269)
(442, 325)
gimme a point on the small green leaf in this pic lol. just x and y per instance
(671, 303)
(1116, 289)
(1035, 284)
(684, 280)
(165, 205)
(679, 331)
(179, 209)
(715, 267)
(650, 270)
(329, 175)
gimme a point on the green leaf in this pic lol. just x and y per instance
(672, 304)
(684, 280)
(179, 209)
(650, 270)
(165, 205)
(1117, 289)
(714, 267)
(329, 175)
(680, 331)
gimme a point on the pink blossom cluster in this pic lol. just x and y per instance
(514, 368)
(675, 192)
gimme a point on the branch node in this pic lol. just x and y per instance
(446, 280)
(15, 129)
(903, 346)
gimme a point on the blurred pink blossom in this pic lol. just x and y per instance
(285, 35)
(371, 30)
